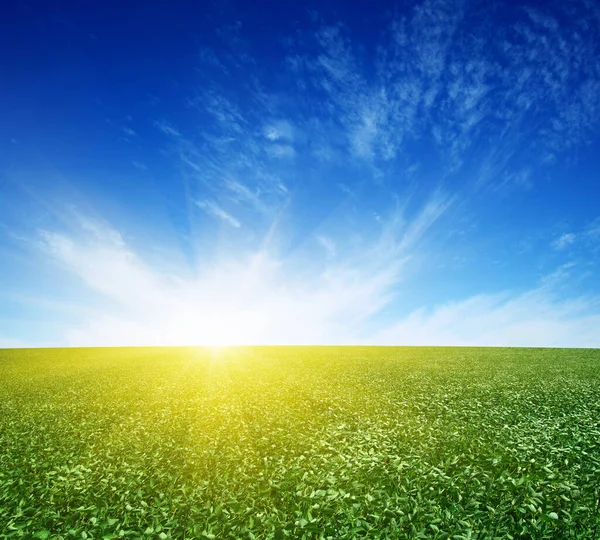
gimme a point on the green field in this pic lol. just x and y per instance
(300, 442)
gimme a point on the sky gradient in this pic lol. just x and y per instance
(408, 173)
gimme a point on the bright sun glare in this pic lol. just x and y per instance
(230, 328)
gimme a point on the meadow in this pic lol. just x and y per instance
(300, 442)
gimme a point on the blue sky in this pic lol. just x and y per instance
(222, 173)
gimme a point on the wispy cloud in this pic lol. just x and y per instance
(224, 111)
(328, 244)
(279, 130)
(586, 239)
(592, 231)
(241, 193)
(564, 240)
(534, 318)
(167, 128)
(255, 296)
(250, 301)
(215, 210)
(483, 106)
(439, 78)
(262, 298)
(139, 165)
(280, 150)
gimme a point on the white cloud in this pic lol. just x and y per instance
(564, 241)
(215, 210)
(531, 319)
(167, 128)
(251, 300)
(435, 79)
(241, 193)
(592, 231)
(257, 297)
(328, 244)
(281, 150)
(224, 112)
(279, 130)
(260, 298)
(364, 135)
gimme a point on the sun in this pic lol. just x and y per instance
(222, 327)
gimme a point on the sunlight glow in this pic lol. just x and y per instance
(256, 299)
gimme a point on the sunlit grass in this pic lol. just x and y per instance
(332, 442)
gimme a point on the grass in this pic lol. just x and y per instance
(300, 443)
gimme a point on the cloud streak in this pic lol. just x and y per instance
(564, 241)
(534, 318)
(447, 74)
(215, 210)
(261, 298)
(443, 89)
